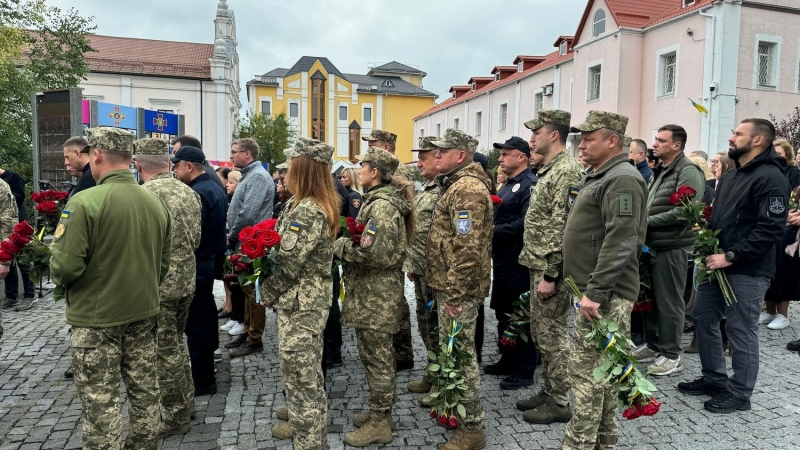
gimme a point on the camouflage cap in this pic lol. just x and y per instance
(110, 139)
(549, 117)
(596, 120)
(311, 148)
(457, 139)
(381, 158)
(628, 141)
(150, 146)
(425, 144)
(380, 135)
(282, 166)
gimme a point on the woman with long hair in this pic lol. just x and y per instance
(373, 270)
(300, 294)
(351, 182)
(283, 195)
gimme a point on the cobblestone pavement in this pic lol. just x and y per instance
(39, 409)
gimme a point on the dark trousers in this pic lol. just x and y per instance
(332, 336)
(663, 328)
(201, 334)
(511, 281)
(237, 302)
(12, 282)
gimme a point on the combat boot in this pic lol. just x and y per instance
(165, 430)
(361, 418)
(377, 430)
(420, 386)
(532, 402)
(428, 403)
(282, 431)
(282, 413)
(465, 440)
(547, 413)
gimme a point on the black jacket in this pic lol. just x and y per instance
(211, 252)
(750, 209)
(793, 174)
(85, 182)
(509, 218)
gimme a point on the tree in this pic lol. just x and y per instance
(273, 135)
(493, 156)
(788, 128)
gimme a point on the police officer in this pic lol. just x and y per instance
(104, 232)
(511, 279)
(175, 292)
(603, 238)
(459, 263)
(559, 179)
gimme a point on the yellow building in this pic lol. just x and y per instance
(339, 108)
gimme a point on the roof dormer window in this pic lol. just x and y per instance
(562, 49)
(520, 66)
(497, 76)
(688, 3)
(599, 23)
(474, 86)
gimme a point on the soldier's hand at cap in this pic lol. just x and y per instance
(452, 311)
(546, 289)
(589, 309)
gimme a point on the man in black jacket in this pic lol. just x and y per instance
(76, 156)
(750, 211)
(17, 185)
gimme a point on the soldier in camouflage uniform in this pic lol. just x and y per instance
(373, 269)
(459, 256)
(559, 183)
(301, 292)
(176, 291)
(8, 218)
(424, 202)
(609, 217)
(103, 233)
(401, 341)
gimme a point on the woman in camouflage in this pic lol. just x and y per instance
(374, 288)
(301, 293)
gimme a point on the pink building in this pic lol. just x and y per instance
(644, 59)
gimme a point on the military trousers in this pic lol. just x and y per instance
(594, 420)
(174, 372)
(472, 378)
(100, 358)
(401, 341)
(377, 356)
(300, 347)
(663, 328)
(549, 331)
(427, 319)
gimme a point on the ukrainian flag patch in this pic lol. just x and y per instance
(65, 214)
(372, 229)
(294, 226)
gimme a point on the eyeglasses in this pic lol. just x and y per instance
(714, 162)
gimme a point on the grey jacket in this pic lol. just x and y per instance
(252, 201)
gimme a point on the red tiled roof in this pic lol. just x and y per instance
(527, 58)
(563, 38)
(149, 57)
(479, 79)
(641, 14)
(504, 69)
(547, 61)
(460, 88)
(679, 10)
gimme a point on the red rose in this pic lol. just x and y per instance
(453, 422)
(19, 239)
(47, 207)
(512, 343)
(268, 224)
(707, 212)
(24, 228)
(433, 414)
(233, 259)
(247, 234)
(686, 191)
(62, 195)
(352, 229)
(36, 197)
(5, 256)
(675, 198)
(497, 200)
(629, 413)
(10, 247)
(270, 238)
(443, 419)
(360, 228)
(651, 408)
(253, 249)
(351, 222)
(637, 307)
(240, 266)
(356, 239)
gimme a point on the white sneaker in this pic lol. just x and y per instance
(643, 354)
(237, 329)
(765, 318)
(779, 322)
(228, 325)
(217, 352)
(664, 366)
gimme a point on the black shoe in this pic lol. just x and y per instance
(248, 348)
(236, 343)
(793, 346)
(512, 383)
(223, 314)
(404, 365)
(727, 402)
(206, 391)
(10, 304)
(699, 387)
(220, 310)
(68, 375)
(688, 327)
(500, 368)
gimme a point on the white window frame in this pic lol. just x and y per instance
(776, 41)
(261, 100)
(562, 49)
(296, 103)
(502, 116)
(438, 129)
(269, 103)
(478, 123)
(687, 3)
(371, 114)
(421, 132)
(339, 112)
(595, 21)
(589, 67)
(521, 66)
(660, 55)
(457, 123)
(474, 86)
(538, 96)
(497, 76)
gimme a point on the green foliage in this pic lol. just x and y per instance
(788, 128)
(273, 135)
(446, 370)
(493, 155)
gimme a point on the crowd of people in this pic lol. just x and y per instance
(462, 234)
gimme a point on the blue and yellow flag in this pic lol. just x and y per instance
(700, 108)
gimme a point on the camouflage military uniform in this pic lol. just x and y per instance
(609, 217)
(373, 270)
(176, 291)
(8, 218)
(459, 255)
(112, 313)
(301, 295)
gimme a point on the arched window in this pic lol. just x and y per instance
(599, 26)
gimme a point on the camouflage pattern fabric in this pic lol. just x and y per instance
(101, 357)
(549, 117)
(8, 218)
(593, 424)
(375, 353)
(427, 319)
(403, 172)
(401, 341)
(457, 139)
(549, 331)
(380, 158)
(174, 372)
(381, 135)
(596, 120)
(110, 139)
(153, 147)
(311, 148)
(300, 348)
(424, 144)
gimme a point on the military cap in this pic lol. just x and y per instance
(311, 148)
(381, 158)
(628, 141)
(516, 143)
(380, 135)
(596, 120)
(282, 166)
(150, 146)
(425, 144)
(457, 139)
(549, 117)
(110, 139)
(190, 154)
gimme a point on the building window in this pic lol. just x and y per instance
(503, 116)
(538, 103)
(343, 113)
(478, 120)
(293, 110)
(170, 111)
(455, 123)
(454, 94)
(562, 49)
(266, 108)
(594, 83)
(367, 114)
(387, 83)
(669, 64)
(497, 76)
(688, 3)
(766, 64)
(438, 130)
(599, 23)
(520, 66)
(474, 85)
(421, 132)
(354, 141)
(318, 109)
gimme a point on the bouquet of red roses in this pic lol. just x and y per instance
(258, 257)
(354, 230)
(50, 204)
(26, 249)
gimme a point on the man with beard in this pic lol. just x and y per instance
(750, 212)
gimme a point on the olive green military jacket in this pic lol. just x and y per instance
(424, 202)
(304, 258)
(459, 252)
(112, 252)
(551, 199)
(373, 276)
(183, 205)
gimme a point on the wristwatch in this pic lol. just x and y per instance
(729, 256)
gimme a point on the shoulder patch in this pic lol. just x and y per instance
(572, 195)
(62, 226)
(294, 226)
(625, 204)
(776, 205)
(463, 222)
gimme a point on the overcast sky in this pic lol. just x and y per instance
(449, 40)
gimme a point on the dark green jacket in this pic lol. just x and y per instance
(111, 251)
(664, 229)
(605, 232)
